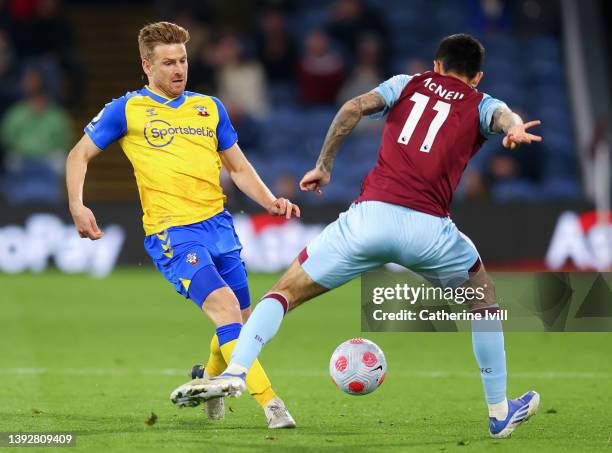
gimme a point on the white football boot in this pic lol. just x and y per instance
(197, 391)
(214, 408)
(278, 416)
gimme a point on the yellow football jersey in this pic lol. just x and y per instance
(173, 145)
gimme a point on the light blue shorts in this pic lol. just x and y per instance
(372, 233)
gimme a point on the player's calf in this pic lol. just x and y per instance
(222, 307)
(296, 286)
(482, 283)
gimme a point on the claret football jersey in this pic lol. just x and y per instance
(434, 125)
(174, 146)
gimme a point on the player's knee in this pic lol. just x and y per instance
(245, 314)
(222, 307)
(204, 282)
(210, 292)
(484, 287)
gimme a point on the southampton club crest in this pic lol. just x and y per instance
(192, 259)
(202, 111)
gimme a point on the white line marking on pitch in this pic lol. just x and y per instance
(297, 373)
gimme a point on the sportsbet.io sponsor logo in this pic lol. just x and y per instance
(160, 133)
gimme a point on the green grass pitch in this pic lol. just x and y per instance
(96, 357)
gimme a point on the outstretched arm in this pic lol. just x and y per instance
(507, 122)
(343, 124)
(248, 181)
(76, 167)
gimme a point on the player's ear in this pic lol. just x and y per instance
(476, 80)
(437, 67)
(146, 67)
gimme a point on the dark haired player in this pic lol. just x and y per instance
(436, 121)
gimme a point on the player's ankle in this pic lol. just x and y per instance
(499, 410)
(234, 368)
(264, 398)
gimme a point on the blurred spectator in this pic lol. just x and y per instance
(286, 186)
(367, 72)
(42, 34)
(8, 81)
(472, 186)
(537, 17)
(418, 66)
(505, 175)
(37, 134)
(197, 32)
(202, 68)
(247, 127)
(351, 19)
(276, 47)
(366, 75)
(320, 70)
(524, 164)
(240, 80)
(489, 16)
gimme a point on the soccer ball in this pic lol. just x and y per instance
(358, 366)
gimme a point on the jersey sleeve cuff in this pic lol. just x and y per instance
(93, 139)
(379, 115)
(227, 147)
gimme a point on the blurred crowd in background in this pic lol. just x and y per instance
(40, 78)
(282, 76)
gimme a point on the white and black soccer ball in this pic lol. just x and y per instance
(358, 366)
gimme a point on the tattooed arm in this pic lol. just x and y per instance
(507, 122)
(343, 124)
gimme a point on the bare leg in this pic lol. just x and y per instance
(222, 307)
(297, 286)
(481, 279)
(292, 289)
(244, 314)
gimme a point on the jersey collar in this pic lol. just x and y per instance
(174, 103)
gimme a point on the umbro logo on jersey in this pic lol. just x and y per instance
(202, 111)
(151, 112)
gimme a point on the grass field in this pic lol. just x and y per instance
(96, 357)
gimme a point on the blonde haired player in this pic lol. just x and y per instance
(177, 142)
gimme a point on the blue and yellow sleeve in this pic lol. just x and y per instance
(226, 134)
(109, 125)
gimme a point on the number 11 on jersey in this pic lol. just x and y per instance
(420, 103)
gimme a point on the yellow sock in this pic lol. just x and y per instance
(216, 363)
(256, 379)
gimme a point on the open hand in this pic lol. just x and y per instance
(282, 206)
(517, 135)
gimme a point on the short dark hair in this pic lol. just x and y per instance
(462, 54)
